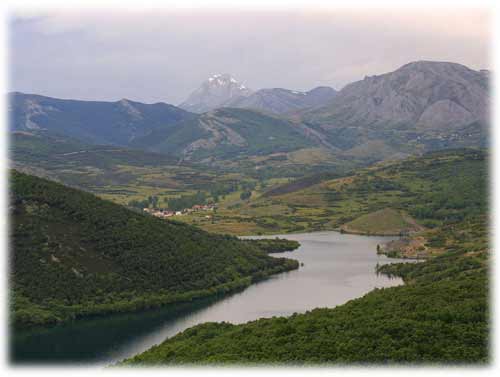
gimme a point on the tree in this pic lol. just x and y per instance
(245, 195)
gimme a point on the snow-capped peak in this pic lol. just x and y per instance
(214, 92)
(222, 78)
(225, 79)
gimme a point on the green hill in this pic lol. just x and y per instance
(227, 134)
(439, 316)
(435, 188)
(95, 122)
(74, 254)
(384, 222)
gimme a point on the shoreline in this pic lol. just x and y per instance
(335, 230)
(143, 304)
(228, 295)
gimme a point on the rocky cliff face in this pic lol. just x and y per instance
(419, 107)
(280, 101)
(214, 92)
(429, 95)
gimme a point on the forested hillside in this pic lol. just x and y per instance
(440, 315)
(430, 190)
(74, 255)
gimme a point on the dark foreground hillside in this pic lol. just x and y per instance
(74, 255)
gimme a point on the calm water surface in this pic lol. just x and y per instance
(337, 268)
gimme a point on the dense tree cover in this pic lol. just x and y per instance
(221, 189)
(151, 201)
(186, 201)
(440, 315)
(248, 185)
(245, 195)
(139, 204)
(75, 255)
(275, 245)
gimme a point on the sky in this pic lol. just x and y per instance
(162, 56)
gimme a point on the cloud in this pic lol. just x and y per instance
(162, 56)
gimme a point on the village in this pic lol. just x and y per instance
(164, 213)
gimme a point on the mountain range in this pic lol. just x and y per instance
(223, 90)
(282, 101)
(226, 133)
(419, 107)
(95, 122)
(420, 101)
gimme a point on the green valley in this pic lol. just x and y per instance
(245, 226)
(424, 192)
(440, 315)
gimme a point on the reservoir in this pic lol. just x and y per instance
(336, 268)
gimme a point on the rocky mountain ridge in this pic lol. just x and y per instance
(215, 92)
(96, 122)
(282, 101)
(429, 95)
(421, 106)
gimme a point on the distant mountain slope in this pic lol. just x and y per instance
(225, 133)
(214, 92)
(282, 101)
(438, 186)
(95, 122)
(39, 147)
(423, 104)
(97, 168)
(75, 255)
(420, 107)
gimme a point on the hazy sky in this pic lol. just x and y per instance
(157, 56)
